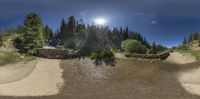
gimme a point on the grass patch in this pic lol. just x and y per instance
(194, 53)
(7, 58)
(11, 57)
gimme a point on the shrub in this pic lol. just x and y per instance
(33, 52)
(101, 54)
(94, 55)
(107, 54)
(6, 58)
(133, 46)
(61, 47)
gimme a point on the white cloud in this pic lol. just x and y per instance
(153, 22)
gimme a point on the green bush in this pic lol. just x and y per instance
(133, 46)
(94, 55)
(7, 57)
(33, 52)
(107, 54)
(61, 47)
(101, 54)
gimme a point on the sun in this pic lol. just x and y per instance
(100, 21)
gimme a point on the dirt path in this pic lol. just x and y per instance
(15, 72)
(44, 80)
(126, 80)
(180, 58)
(190, 80)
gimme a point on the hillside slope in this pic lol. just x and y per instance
(8, 44)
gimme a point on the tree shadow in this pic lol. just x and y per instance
(107, 61)
(100, 61)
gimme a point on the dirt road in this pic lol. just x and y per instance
(128, 79)
(189, 78)
(180, 58)
(45, 79)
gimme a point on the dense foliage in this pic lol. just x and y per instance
(134, 46)
(101, 54)
(48, 33)
(33, 33)
(157, 48)
(193, 37)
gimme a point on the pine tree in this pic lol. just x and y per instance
(63, 30)
(80, 26)
(153, 48)
(48, 33)
(185, 41)
(33, 34)
(126, 33)
(71, 27)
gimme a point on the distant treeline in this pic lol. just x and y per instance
(75, 35)
(195, 36)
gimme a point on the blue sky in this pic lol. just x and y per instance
(165, 21)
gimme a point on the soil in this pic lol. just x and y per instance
(44, 80)
(180, 58)
(128, 79)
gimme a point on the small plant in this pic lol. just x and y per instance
(7, 57)
(33, 52)
(60, 47)
(101, 54)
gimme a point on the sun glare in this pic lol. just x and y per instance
(100, 21)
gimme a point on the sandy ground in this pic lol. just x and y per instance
(15, 72)
(128, 79)
(45, 79)
(180, 58)
(190, 80)
(120, 56)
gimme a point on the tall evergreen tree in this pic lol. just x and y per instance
(153, 48)
(80, 26)
(48, 33)
(126, 33)
(71, 27)
(63, 30)
(69, 40)
(185, 41)
(33, 33)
